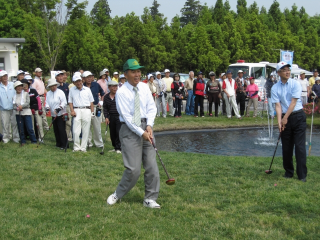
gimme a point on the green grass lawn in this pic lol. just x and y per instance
(46, 194)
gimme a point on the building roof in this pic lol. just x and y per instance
(12, 40)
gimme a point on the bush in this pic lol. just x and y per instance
(307, 108)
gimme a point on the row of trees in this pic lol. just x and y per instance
(62, 35)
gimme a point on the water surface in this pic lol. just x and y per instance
(230, 142)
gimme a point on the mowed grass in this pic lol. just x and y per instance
(47, 194)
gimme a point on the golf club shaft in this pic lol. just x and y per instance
(160, 159)
(50, 127)
(102, 152)
(275, 150)
(311, 130)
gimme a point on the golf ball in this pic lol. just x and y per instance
(88, 216)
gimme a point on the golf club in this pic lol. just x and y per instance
(315, 95)
(102, 152)
(170, 181)
(48, 129)
(270, 171)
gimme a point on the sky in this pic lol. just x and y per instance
(171, 8)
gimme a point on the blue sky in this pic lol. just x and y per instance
(170, 8)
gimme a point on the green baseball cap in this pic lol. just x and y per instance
(131, 64)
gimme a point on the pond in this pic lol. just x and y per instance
(229, 142)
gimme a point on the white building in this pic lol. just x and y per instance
(9, 59)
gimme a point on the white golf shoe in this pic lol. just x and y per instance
(118, 151)
(150, 203)
(112, 199)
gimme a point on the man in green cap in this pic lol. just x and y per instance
(137, 113)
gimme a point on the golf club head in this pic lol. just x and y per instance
(101, 153)
(268, 171)
(170, 181)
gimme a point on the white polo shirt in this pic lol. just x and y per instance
(304, 85)
(80, 98)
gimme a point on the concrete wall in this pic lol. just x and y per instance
(10, 55)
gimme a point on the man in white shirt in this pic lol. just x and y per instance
(82, 109)
(161, 89)
(8, 118)
(229, 87)
(39, 86)
(169, 100)
(305, 88)
(137, 112)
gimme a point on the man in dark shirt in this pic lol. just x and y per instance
(112, 116)
(97, 92)
(65, 88)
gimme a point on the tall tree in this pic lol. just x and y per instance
(190, 12)
(241, 7)
(154, 10)
(218, 12)
(100, 14)
(49, 29)
(275, 15)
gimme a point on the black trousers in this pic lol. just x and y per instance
(177, 106)
(198, 100)
(216, 106)
(224, 111)
(294, 135)
(59, 128)
(114, 127)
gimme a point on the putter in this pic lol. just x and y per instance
(170, 181)
(102, 152)
(315, 95)
(270, 171)
(48, 129)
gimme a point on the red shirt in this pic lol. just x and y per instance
(224, 84)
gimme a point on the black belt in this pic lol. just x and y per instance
(81, 107)
(293, 113)
(41, 95)
(143, 120)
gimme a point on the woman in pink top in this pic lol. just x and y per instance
(252, 93)
(103, 82)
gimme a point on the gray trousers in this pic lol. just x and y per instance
(44, 116)
(161, 106)
(9, 126)
(135, 151)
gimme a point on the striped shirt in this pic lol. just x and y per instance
(109, 106)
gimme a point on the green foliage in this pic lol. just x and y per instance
(11, 19)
